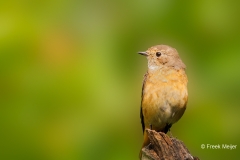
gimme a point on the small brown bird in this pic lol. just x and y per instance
(164, 90)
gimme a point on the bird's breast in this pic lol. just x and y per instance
(164, 97)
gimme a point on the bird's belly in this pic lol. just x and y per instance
(163, 105)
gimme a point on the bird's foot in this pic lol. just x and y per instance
(170, 133)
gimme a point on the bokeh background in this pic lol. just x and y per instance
(70, 76)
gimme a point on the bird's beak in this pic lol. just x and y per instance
(143, 53)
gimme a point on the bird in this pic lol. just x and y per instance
(164, 90)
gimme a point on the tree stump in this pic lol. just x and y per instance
(162, 147)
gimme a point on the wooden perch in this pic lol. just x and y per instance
(162, 147)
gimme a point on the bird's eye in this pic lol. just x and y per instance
(158, 54)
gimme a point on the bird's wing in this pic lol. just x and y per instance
(142, 119)
(141, 112)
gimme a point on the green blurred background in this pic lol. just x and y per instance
(70, 76)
